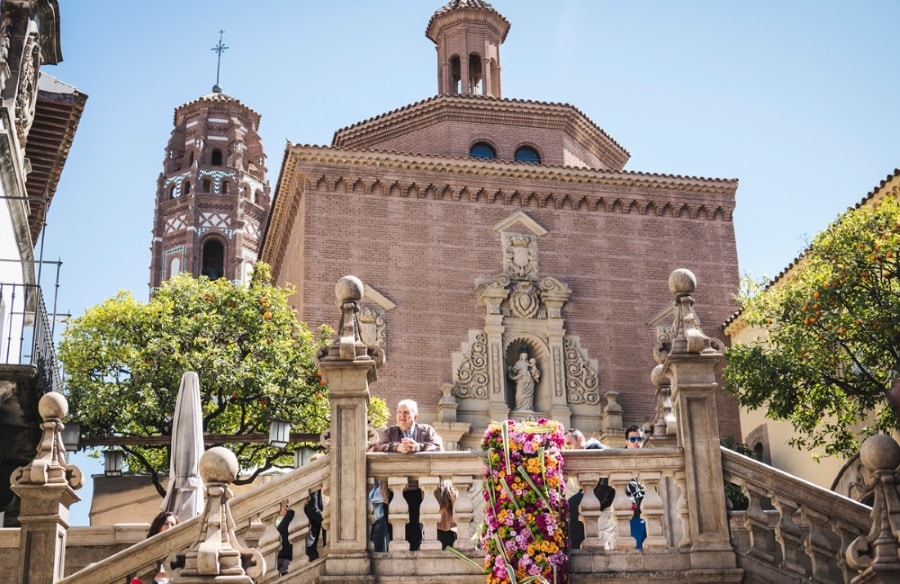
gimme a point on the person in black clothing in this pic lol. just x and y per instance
(286, 553)
(313, 510)
(605, 494)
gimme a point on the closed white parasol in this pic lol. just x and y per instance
(184, 494)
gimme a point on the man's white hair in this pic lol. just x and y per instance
(411, 405)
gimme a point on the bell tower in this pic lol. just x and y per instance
(212, 197)
(468, 35)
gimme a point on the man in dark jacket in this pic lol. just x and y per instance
(313, 510)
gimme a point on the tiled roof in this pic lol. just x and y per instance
(217, 96)
(56, 116)
(869, 198)
(455, 5)
(391, 117)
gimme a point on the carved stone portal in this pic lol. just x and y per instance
(521, 364)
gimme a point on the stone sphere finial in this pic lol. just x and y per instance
(218, 465)
(880, 452)
(53, 405)
(682, 281)
(349, 289)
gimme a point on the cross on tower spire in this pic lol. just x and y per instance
(219, 49)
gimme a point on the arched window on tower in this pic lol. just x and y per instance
(173, 192)
(527, 154)
(175, 267)
(216, 157)
(476, 75)
(482, 150)
(186, 187)
(455, 75)
(226, 187)
(191, 163)
(213, 260)
(207, 185)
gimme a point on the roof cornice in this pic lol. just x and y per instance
(524, 185)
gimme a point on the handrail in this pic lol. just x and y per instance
(252, 511)
(790, 524)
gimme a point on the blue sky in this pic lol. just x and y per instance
(795, 99)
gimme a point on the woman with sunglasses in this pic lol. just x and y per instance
(634, 489)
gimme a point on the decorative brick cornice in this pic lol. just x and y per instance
(216, 102)
(471, 11)
(489, 182)
(485, 111)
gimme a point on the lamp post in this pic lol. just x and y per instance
(113, 461)
(302, 455)
(279, 433)
(71, 436)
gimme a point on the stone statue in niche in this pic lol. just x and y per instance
(525, 374)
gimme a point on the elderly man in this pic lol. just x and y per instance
(407, 436)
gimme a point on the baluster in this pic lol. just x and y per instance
(822, 546)
(762, 536)
(847, 535)
(326, 513)
(652, 510)
(429, 512)
(476, 498)
(398, 512)
(681, 508)
(463, 512)
(299, 529)
(622, 512)
(791, 536)
(589, 511)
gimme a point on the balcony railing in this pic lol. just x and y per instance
(26, 336)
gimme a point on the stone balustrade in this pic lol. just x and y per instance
(254, 514)
(792, 530)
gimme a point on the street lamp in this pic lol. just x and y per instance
(71, 436)
(113, 461)
(302, 455)
(279, 433)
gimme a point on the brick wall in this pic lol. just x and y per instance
(424, 248)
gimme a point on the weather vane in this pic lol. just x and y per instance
(219, 49)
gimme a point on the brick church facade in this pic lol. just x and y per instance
(485, 227)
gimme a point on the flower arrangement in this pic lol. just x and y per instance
(524, 530)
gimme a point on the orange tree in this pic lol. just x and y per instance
(832, 350)
(123, 361)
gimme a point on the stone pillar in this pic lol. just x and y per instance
(688, 361)
(877, 555)
(46, 487)
(492, 294)
(348, 365)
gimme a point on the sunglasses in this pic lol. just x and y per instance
(635, 439)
